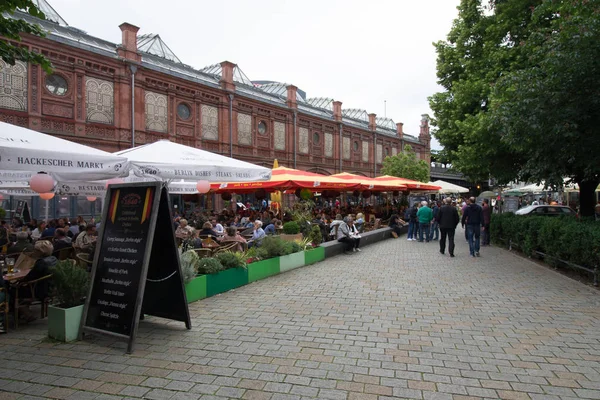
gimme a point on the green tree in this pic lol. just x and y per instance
(12, 28)
(519, 79)
(549, 112)
(406, 165)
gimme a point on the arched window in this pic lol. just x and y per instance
(99, 100)
(156, 112)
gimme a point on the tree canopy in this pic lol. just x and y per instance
(521, 84)
(11, 30)
(406, 165)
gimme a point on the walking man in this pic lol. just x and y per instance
(424, 215)
(487, 218)
(435, 231)
(473, 219)
(447, 219)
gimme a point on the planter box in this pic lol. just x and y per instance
(315, 255)
(291, 261)
(291, 238)
(196, 289)
(225, 281)
(63, 323)
(262, 269)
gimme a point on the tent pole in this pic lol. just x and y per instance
(46, 211)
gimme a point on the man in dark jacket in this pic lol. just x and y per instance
(487, 219)
(448, 219)
(473, 219)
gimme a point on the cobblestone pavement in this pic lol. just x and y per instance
(398, 320)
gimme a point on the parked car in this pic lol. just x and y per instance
(546, 210)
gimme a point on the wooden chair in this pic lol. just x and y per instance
(83, 260)
(243, 245)
(204, 253)
(30, 299)
(4, 308)
(63, 254)
(209, 241)
(230, 246)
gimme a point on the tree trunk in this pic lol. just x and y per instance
(587, 197)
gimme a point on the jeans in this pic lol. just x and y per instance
(474, 233)
(485, 240)
(447, 232)
(435, 228)
(424, 230)
(412, 232)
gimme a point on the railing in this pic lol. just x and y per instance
(594, 271)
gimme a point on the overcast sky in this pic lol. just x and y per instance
(360, 52)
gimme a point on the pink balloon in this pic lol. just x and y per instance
(46, 196)
(114, 181)
(203, 186)
(91, 198)
(41, 183)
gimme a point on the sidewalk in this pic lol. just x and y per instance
(398, 320)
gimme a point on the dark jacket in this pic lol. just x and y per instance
(447, 217)
(20, 247)
(41, 268)
(487, 214)
(413, 214)
(473, 215)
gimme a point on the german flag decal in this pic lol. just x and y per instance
(147, 204)
(112, 210)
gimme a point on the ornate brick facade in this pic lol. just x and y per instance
(88, 99)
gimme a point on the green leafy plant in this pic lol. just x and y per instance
(231, 259)
(291, 228)
(71, 284)
(306, 243)
(315, 236)
(274, 246)
(189, 265)
(209, 265)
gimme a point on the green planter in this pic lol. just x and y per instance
(262, 269)
(196, 289)
(291, 261)
(63, 323)
(315, 255)
(226, 280)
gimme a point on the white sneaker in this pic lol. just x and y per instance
(359, 250)
(409, 239)
(354, 250)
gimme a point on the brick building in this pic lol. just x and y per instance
(95, 85)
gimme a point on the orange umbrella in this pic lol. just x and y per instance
(283, 178)
(410, 184)
(367, 183)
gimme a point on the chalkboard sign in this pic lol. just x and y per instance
(511, 204)
(22, 211)
(136, 263)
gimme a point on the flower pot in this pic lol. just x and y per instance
(315, 255)
(291, 238)
(63, 323)
(226, 280)
(262, 269)
(291, 261)
(196, 289)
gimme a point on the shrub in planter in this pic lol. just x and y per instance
(230, 260)
(189, 265)
(207, 266)
(71, 285)
(316, 237)
(274, 246)
(291, 228)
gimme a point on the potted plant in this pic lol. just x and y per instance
(291, 231)
(233, 274)
(71, 284)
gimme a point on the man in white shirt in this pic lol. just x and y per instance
(217, 227)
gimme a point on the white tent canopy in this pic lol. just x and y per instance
(23, 149)
(167, 160)
(447, 187)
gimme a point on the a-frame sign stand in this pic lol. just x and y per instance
(136, 268)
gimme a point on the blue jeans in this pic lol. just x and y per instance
(424, 230)
(473, 235)
(435, 228)
(412, 232)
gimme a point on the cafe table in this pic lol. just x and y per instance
(19, 274)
